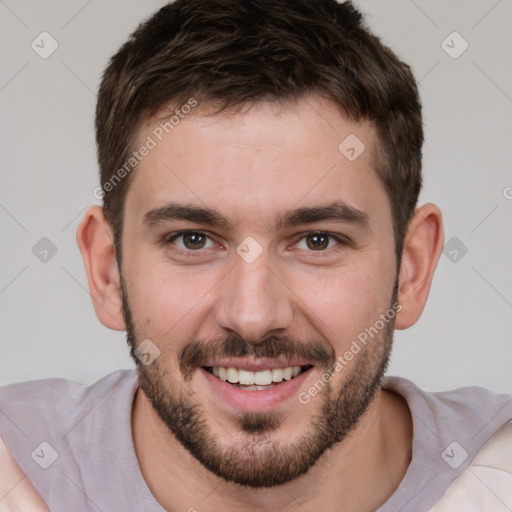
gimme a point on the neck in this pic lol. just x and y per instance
(359, 474)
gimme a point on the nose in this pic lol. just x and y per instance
(253, 302)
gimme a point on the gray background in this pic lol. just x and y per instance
(48, 173)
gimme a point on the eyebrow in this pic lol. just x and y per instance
(338, 211)
(177, 211)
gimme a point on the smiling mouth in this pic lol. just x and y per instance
(256, 380)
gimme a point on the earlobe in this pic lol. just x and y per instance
(422, 249)
(95, 240)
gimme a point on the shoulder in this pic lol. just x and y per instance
(458, 436)
(68, 436)
(61, 396)
(471, 405)
(48, 408)
(486, 484)
(497, 452)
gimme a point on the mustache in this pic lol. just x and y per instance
(198, 353)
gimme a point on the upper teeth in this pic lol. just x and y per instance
(261, 378)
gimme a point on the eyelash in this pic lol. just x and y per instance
(169, 239)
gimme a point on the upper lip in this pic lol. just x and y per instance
(255, 365)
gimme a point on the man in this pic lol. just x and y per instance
(259, 241)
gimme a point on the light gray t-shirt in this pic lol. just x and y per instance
(74, 442)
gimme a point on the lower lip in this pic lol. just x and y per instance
(242, 400)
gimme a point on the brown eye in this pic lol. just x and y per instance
(194, 240)
(320, 242)
(191, 240)
(317, 242)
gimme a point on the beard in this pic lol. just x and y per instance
(261, 460)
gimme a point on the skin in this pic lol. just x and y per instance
(250, 167)
(16, 491)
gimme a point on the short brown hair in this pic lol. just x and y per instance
(232, 53)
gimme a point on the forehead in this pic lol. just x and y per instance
(251, 164)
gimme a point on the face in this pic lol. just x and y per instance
(254, 254)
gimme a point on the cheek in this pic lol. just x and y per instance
(165, 300)
(345, 301)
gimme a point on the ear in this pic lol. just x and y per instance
(422, 249)
(96, 242)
